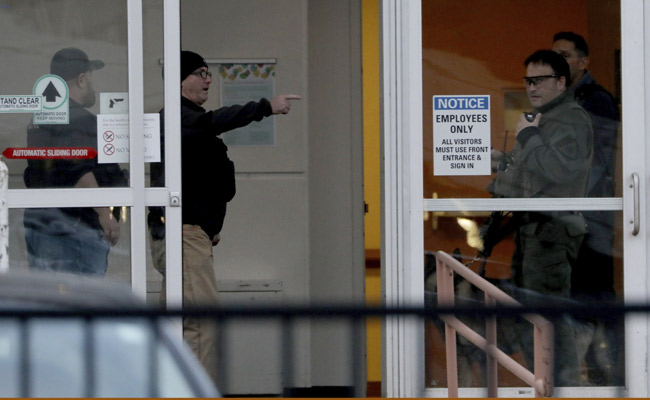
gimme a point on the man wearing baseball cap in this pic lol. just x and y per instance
(70, 62)
(74, 240)
(208, 185)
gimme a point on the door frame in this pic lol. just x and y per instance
(403, 204)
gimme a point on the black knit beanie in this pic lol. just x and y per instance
(190, 62)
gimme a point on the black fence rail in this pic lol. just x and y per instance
(24, 336)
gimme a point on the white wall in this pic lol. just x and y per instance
(337, 260)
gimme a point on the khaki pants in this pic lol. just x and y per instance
(199, 289)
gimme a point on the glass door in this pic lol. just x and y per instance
(70, 203)
(80, 119)
(543, 208)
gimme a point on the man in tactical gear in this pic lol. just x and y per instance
(551, 158)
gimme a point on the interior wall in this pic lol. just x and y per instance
(371, 123)
(335, 179)
(371, 184)
(266, 233)
(298, 214)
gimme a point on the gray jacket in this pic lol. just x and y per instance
(554, 159)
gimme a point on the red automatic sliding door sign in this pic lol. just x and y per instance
(48, 153)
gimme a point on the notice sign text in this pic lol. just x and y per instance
(461, 135)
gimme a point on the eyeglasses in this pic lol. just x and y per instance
(537, 80)
(203, 74)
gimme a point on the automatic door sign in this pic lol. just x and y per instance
(49, 153)
(54, 91)
(461, 135)
(20, 104)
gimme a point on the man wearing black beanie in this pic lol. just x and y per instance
(208, 183)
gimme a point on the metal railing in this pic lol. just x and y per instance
(542, 378)
(355, 315)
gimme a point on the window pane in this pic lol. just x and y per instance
(66, 68)
(478, 143)
(594, 348)
(71, 240)
(467, 56)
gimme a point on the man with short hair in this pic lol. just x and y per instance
(593, 273)
(75, 240)
(208, 184)
(551, 158)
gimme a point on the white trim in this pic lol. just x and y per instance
(156, 197)
(100, 197)
(25, 198)
(402, 236)
(539, 204)
(173, 222)
(635, 276)
(527, 392)
(136, 162)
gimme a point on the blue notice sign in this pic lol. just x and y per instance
(461, 103)
(461, 135)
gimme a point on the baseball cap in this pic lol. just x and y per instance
(69, 62)
(190, 62)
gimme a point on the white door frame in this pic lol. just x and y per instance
(402, 235)
(173, 221)
(635, 51)
(403, 205)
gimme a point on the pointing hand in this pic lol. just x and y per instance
(281, 103)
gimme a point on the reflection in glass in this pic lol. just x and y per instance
(55, 49)
(598, 342)
(473, 63)
(56, 239)
(72, 81)
(560, 256)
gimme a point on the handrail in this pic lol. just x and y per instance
(542, 378)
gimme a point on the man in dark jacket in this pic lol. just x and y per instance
(593, 273)
(75, 240)
(208, 184)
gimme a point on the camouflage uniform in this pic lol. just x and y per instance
(552, 160)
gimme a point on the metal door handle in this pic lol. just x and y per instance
(637, 217)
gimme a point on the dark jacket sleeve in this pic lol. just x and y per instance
(228, 118)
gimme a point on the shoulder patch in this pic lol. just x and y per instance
(568, 148)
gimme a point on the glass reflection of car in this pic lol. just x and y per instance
(53, 356)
